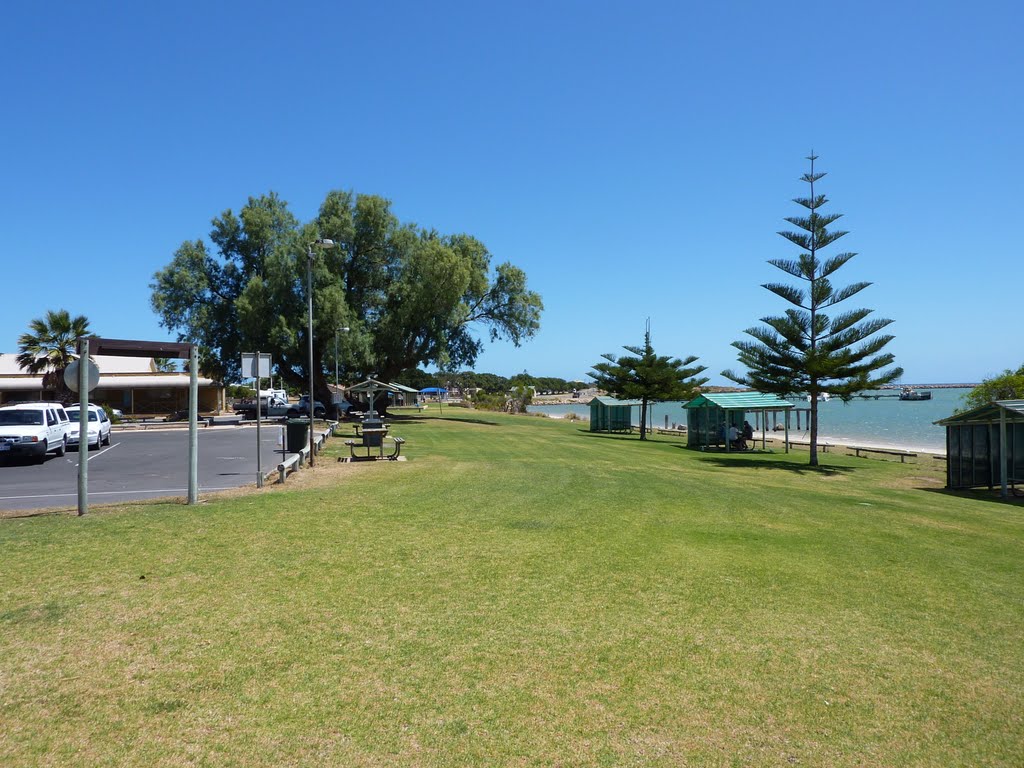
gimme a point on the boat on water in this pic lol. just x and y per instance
(909, 393)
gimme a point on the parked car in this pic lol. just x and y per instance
(302, 408)
(33, 430)
(98, 425)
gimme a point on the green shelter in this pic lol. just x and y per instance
(985, 446)
(610, 415)
(709, 416)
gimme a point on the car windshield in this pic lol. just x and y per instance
(20, 418)
(73, 414)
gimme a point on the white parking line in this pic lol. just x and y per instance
(95, 454)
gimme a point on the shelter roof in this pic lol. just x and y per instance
(433, 390)
(987, 414)
(611, 401)
(740, 401)
(373, 385)
(403, 388)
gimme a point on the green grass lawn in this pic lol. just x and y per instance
(521, 592)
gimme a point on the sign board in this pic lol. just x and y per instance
(71, 375)
(249, 365)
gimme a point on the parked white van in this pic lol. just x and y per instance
(33, 430)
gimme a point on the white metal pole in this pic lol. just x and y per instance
(259, 420)
(309, 297)
(193, 427)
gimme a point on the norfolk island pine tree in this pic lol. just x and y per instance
(806, 350)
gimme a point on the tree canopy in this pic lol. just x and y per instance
(806, 350)
(1009, 385)
(647, 377)
(49, 346)
(409, 295)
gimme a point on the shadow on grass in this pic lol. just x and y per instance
(396, 418)
(990, 496)
(770, 461)
(612, 435)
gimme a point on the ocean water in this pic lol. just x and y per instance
(887, 421)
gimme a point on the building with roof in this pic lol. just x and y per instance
(985, 446)
(132, 385)
(709, 416)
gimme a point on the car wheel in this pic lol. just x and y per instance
(42, 456)
(63, 448)
(107, 440)
(319, 413)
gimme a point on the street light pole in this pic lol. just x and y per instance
(323, 243)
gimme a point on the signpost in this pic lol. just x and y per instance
(82, 376)
(257, 366)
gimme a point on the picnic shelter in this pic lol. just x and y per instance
(985, 446)
(610, 415)
(709, 416)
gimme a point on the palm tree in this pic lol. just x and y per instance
(49, 347)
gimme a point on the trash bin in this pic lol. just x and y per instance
(296, 435)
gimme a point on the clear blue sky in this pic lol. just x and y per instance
(636, 159)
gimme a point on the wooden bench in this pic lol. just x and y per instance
(902, 454)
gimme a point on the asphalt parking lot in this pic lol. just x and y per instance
(141, 465)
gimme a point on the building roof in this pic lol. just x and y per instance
(106, 363)
(987, 414)
(740, 401)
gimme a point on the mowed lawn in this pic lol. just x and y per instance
(521, 592)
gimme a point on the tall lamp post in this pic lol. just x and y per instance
(322, 243)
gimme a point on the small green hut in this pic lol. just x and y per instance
(985, 446)
(709, 416)
(610, 415)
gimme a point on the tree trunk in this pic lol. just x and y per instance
(643, 418)
(814, 427)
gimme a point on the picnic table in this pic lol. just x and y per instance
(373, 437)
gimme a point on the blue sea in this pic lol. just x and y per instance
(886, 421)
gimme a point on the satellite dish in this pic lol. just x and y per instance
(71, 375)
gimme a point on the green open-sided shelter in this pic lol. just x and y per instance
(710, 414)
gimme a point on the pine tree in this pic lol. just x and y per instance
(647, 377)
(806, 350)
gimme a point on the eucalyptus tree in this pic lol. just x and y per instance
(409, 296)
(48, 347)
(807, 350)
(645, 376)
